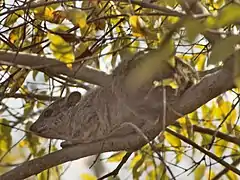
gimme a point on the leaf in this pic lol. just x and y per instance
(58, 17)
(145, 69)
(85, 176)
(201, 62)
(231, 175)
(61, 49)
(226, 107)
(34, 74)
(179, 156)
(12, 18)
(199, 172)
(170, 3)
(66, 58)
(229, 15)
(33, 141)
(137, 25)
(28, 108)
(57, 40)
(17, 80)
(77, 17)
(172, 140)
(16, 35)
(220, 147)
(206, 139)
(117, 157)
(193, 28)
(5, 134)
(140, 29)
(237, 70)
(223, 49)
(136, 171)
(82, 47)
(157, 173)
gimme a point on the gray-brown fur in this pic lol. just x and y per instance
(102, 111)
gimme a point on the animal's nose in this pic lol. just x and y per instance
(33, 128)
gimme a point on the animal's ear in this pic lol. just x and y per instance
(73, 98)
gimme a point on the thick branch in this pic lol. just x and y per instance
(29, 96)
(213, 132)
(55, 67)
(210, 87)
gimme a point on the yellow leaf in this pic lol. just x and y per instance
(226, 107)
(77, 17)
(86, 176)
(220, 147)
(210, 174)
(201, 62)
(58, 41)
(137, 25)
(62, 49)
(116, 157)
(135, 160)
(199, 172)
(82, 47)
(172, 140)
(69, 66)
(23, 143)
(231, 175)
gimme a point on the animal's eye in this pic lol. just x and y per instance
(48, 113)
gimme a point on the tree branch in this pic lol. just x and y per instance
(115, 172)
(29, 96)
(44, 64)
(218, 134)
(204, 151)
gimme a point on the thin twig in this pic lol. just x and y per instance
(115, 172)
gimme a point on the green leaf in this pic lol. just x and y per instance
(179, 156)
(28, 108)
(33, 141)
(5, 134)
(228, 15)
(12, 18)
(223, 49)
(34, 74)
(237, 70)
(145, 70)
(220, 147)
(199, 172)
(193, 28)
(136, 170)
(206, 139)
(77, 17)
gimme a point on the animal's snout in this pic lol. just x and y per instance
(36, 129)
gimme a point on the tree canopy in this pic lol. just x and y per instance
(51, 48)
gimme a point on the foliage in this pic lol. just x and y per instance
(95, 32)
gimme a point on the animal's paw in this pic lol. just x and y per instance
(65, 144)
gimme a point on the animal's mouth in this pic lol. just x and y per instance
(39, 131)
